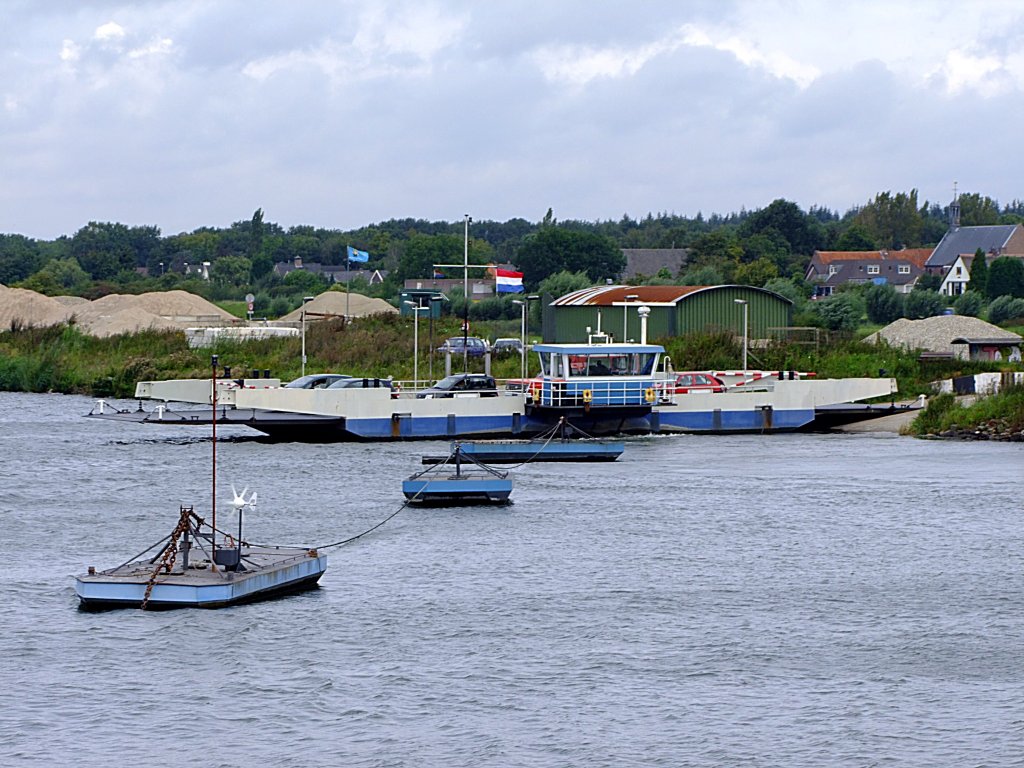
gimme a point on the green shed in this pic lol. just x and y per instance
(675, 310)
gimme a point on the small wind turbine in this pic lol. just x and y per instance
(239, 502)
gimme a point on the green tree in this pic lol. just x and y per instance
(979, 273)
(554, 249)
(1006, 277)
(969, 304)
(883, 303)
(705, 275)
(892, 221)
(756, 273)
(231, 271)
(920, 304)
(928, 282)
(147, 246)
(842, 312)
(1005, 308)
(103, 249)
(303, 281)
(422, 252)
(789, 289)
(856, 238)
(977, 211)
(58, 277)
(564, 282)
(256, 234)
(715, 249)
(19, 258)
(802, 233)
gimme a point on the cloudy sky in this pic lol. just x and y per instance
(190, 113)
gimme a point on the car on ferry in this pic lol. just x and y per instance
(507, 347)
(355, 382)
(316, 381)
(462, 385)
(685, 383)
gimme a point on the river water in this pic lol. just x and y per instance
(709, 601)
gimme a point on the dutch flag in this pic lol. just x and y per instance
(508, 281)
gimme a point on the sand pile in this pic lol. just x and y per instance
(936, 334)
(181, 304)
(334, 303)
(113, 314)
(29, 309)
(128, 320)
(71, 301)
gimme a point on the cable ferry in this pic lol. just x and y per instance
(601, 387)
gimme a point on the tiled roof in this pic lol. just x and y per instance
(916, 256)
(968, 240)
(857, 271)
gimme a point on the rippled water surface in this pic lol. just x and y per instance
(787, 600)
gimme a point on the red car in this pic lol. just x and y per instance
(696, 382)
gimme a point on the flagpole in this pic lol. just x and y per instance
(348, 277)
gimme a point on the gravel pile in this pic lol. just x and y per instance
(936, 334)
(333, 303)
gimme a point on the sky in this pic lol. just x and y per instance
(183, 114)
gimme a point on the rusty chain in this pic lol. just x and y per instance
(170, 553)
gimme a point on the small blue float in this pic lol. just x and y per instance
(472, 482)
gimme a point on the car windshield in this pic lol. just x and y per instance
(354, 383)
(449, 382)
(316, 380)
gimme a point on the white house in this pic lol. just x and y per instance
(959, 275)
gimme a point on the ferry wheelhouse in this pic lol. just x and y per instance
(597, 376)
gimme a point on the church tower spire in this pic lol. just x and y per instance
(954, 210)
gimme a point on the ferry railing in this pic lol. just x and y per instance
(596, 393)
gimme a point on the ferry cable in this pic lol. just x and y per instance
(405, 504)
(551, 436)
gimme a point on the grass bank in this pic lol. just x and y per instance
(998, 415)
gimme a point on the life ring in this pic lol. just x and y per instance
(649, 394)
(588, 395)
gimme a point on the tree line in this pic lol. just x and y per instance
(761, 247)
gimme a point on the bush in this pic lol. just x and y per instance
(936, 416)
(840, 313)
(883, 304)
(279, 307)
(1005, 308)
(969, 304)
(921, 304)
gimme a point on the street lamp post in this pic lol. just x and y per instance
(465, 291)
(305, 300)
(416, 309)
(625, 317)
(745, 306)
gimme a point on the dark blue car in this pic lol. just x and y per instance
(474, 347)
